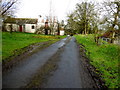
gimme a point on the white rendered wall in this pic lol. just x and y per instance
(14, 27)
(28, 28)
(62, 32)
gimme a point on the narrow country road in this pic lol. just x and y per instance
(20, 75)
(69, 74)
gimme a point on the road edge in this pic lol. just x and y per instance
(12, 61)
(93, 73)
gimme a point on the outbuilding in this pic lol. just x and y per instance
(21, 24)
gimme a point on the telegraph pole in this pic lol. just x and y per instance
(50, 16)
(58, 28)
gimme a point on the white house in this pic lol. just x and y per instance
(21, 24)
(62, 32)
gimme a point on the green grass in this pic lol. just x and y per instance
(17, 40)
(104, 58)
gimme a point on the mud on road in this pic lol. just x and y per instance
(65, 69)
(59, 66)
(23, 53)
(20, 75)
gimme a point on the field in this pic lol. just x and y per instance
(17, 40)
(104, 58)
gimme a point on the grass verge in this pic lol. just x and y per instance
(104, 58)
(13, 43)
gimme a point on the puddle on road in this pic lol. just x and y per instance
(61, 44)
(64, 39)
(25, 70)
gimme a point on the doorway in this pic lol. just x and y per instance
(20, 28)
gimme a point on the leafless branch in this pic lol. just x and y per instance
(7, 6)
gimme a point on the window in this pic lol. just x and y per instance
(33, 27)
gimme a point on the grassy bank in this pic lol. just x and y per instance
(104, 58)
(17, 40)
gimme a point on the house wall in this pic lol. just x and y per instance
(62, 32)
(28, 28)
(25, 28)
(7, 27)
(14, 27)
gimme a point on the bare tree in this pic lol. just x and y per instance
(83, 19)
(112, 15)
(8, 7)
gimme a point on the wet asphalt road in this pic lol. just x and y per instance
(68, 73)
(20, 75)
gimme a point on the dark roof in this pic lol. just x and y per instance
(21, 20)
(108, 33)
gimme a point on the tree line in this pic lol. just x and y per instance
(89, 17)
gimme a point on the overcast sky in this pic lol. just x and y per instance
(33, 8)
(59, 8)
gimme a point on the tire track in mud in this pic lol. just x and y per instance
(63, 70)
(67, 70)
(25, 70)
(46, 70)
(68, 74)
